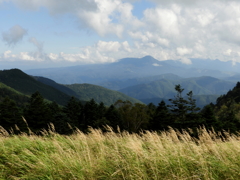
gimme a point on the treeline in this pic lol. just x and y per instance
(123, 115)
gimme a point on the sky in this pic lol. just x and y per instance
(56, 33)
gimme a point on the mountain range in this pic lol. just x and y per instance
(86, 92)
(19, 86)
(130, 68)
(164, 88)
(148, 79)
(135, 79)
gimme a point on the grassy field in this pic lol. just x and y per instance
(97, 155)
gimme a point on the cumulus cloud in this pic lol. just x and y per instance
(149, 38)
(164, 20)
(7, 55)
(181, 29)
(14, 35)
(113, 46)
(183, 51)
(101, 16)
(126, 46)
(108, 46)
(186, 61)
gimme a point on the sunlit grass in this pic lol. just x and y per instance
(98, 155)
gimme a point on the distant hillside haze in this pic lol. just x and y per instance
(129, 68)
(148, 79)
(164, 88)
(86, 92)
(121, 84)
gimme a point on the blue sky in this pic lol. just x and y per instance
(55, 33)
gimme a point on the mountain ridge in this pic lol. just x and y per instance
(128, 68)
(166, 88)
(86, 92)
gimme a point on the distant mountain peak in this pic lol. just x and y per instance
(147, 57)
(146, 60)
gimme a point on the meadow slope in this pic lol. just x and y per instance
(98, 155)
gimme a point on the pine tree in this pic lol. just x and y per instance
(10, 116)
(134, 117)
(113, 117)
(162, 118)
(101, 120)
(209, 118)
(73, 109)
(185, 110)
(179, 105)
(60, 119)
(90, 113)
(37, 113)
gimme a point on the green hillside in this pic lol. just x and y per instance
(27, 85)
(6, 91)
(55, 85)
(121, 84)
(165, 88)
(232, 96)
(99, 94)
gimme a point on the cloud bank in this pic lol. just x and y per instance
(173, 29)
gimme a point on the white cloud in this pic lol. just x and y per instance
(199, 47)
(96, 15)
(181, 29)
(183, 51)
(186, 61)
(126, 46)
(163, 20)
(111, 46)
(53, 56)
(25, 56)
(227, 52)
(14, 35)
(149, 38)
(7, 54)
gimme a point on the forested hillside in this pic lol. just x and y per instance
(164, 88)
(6, 91)
(26, 85)
(18, 80)
(180, 113)
(87, 92)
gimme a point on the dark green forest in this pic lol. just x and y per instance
(34, 114)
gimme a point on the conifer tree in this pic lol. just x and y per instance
(73, 109)
(179, 105)
(209, 118)
(10, 116)
(37, 113)
(90, 113)
(101, 120)
(60, 119)
(185, 110)
(113, 117)
(162, 117)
